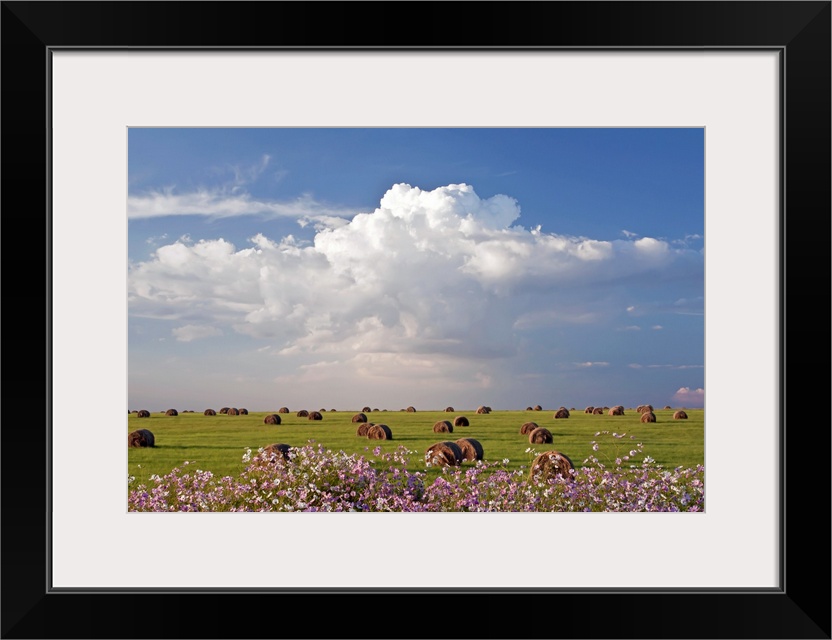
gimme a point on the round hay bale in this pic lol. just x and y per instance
(461, 421)
(411, 410)
(272, 418)
(443, 426)
(276, 450)
(680, 415)
(375, 409)
(366, 409)
(529, 409)
(303, 413)
(443, 454)
(483, 410)
(233, 411)
(616, 411)
(363, 428)
(449, 409)
(315, 415)
(322, 410)
(598, 411)
(537, 407)
(562, 413)
(332, 410)
(667, 407)
(141, 438)
(224, 410)
(589, 409)
(550, 464)
(359, 417)
(143, 413)
(648, 416)
(209, 412)
(527, 427)
(471, 449)
(283, 410)
(171, 412)
(379, 432)
(644, 407)
(242, 412)
(541, 435)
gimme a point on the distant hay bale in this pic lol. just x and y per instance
(376, 409)
(322, 410)
(589, 409)
(449, 409)
(315, 415)
(379, 432)
(551, 464)
(363, 428)
(471, 449)
(616, 411)
(537, 407)
(233, 411)
(171, 412)
(209, 412)
(562, 413)
(143, 413)
(411, 410)
(541, 435)
(680, 415)
(277, 450)
(443, 454)
(359, 417)
(303, 413)
(243, 412)
(528, 427)
(461, 421)
(443, 426)
(648, 416)
(224, 410)
(483, 410)
(598, 411)
(667, 407)
(366, 409)
(283, 410)
(644, 407)
(333, 410)
(272, 418)
(529, 409)
(141, 438)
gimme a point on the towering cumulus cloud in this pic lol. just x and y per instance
(439, 273)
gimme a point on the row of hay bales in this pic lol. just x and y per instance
(483, 409)
(548, 464)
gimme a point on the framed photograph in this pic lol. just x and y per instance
(112, 109)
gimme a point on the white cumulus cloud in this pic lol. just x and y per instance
(690, 397)
(427, 272)
(190, 332)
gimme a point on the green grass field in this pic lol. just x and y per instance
(217, 443)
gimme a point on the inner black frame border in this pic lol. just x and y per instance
(799, 31)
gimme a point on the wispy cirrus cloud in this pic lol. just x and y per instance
(224, 203)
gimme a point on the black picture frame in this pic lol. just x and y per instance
(800, 608)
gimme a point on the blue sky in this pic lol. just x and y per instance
(338, 268)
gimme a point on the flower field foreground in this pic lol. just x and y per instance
(310, 478)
